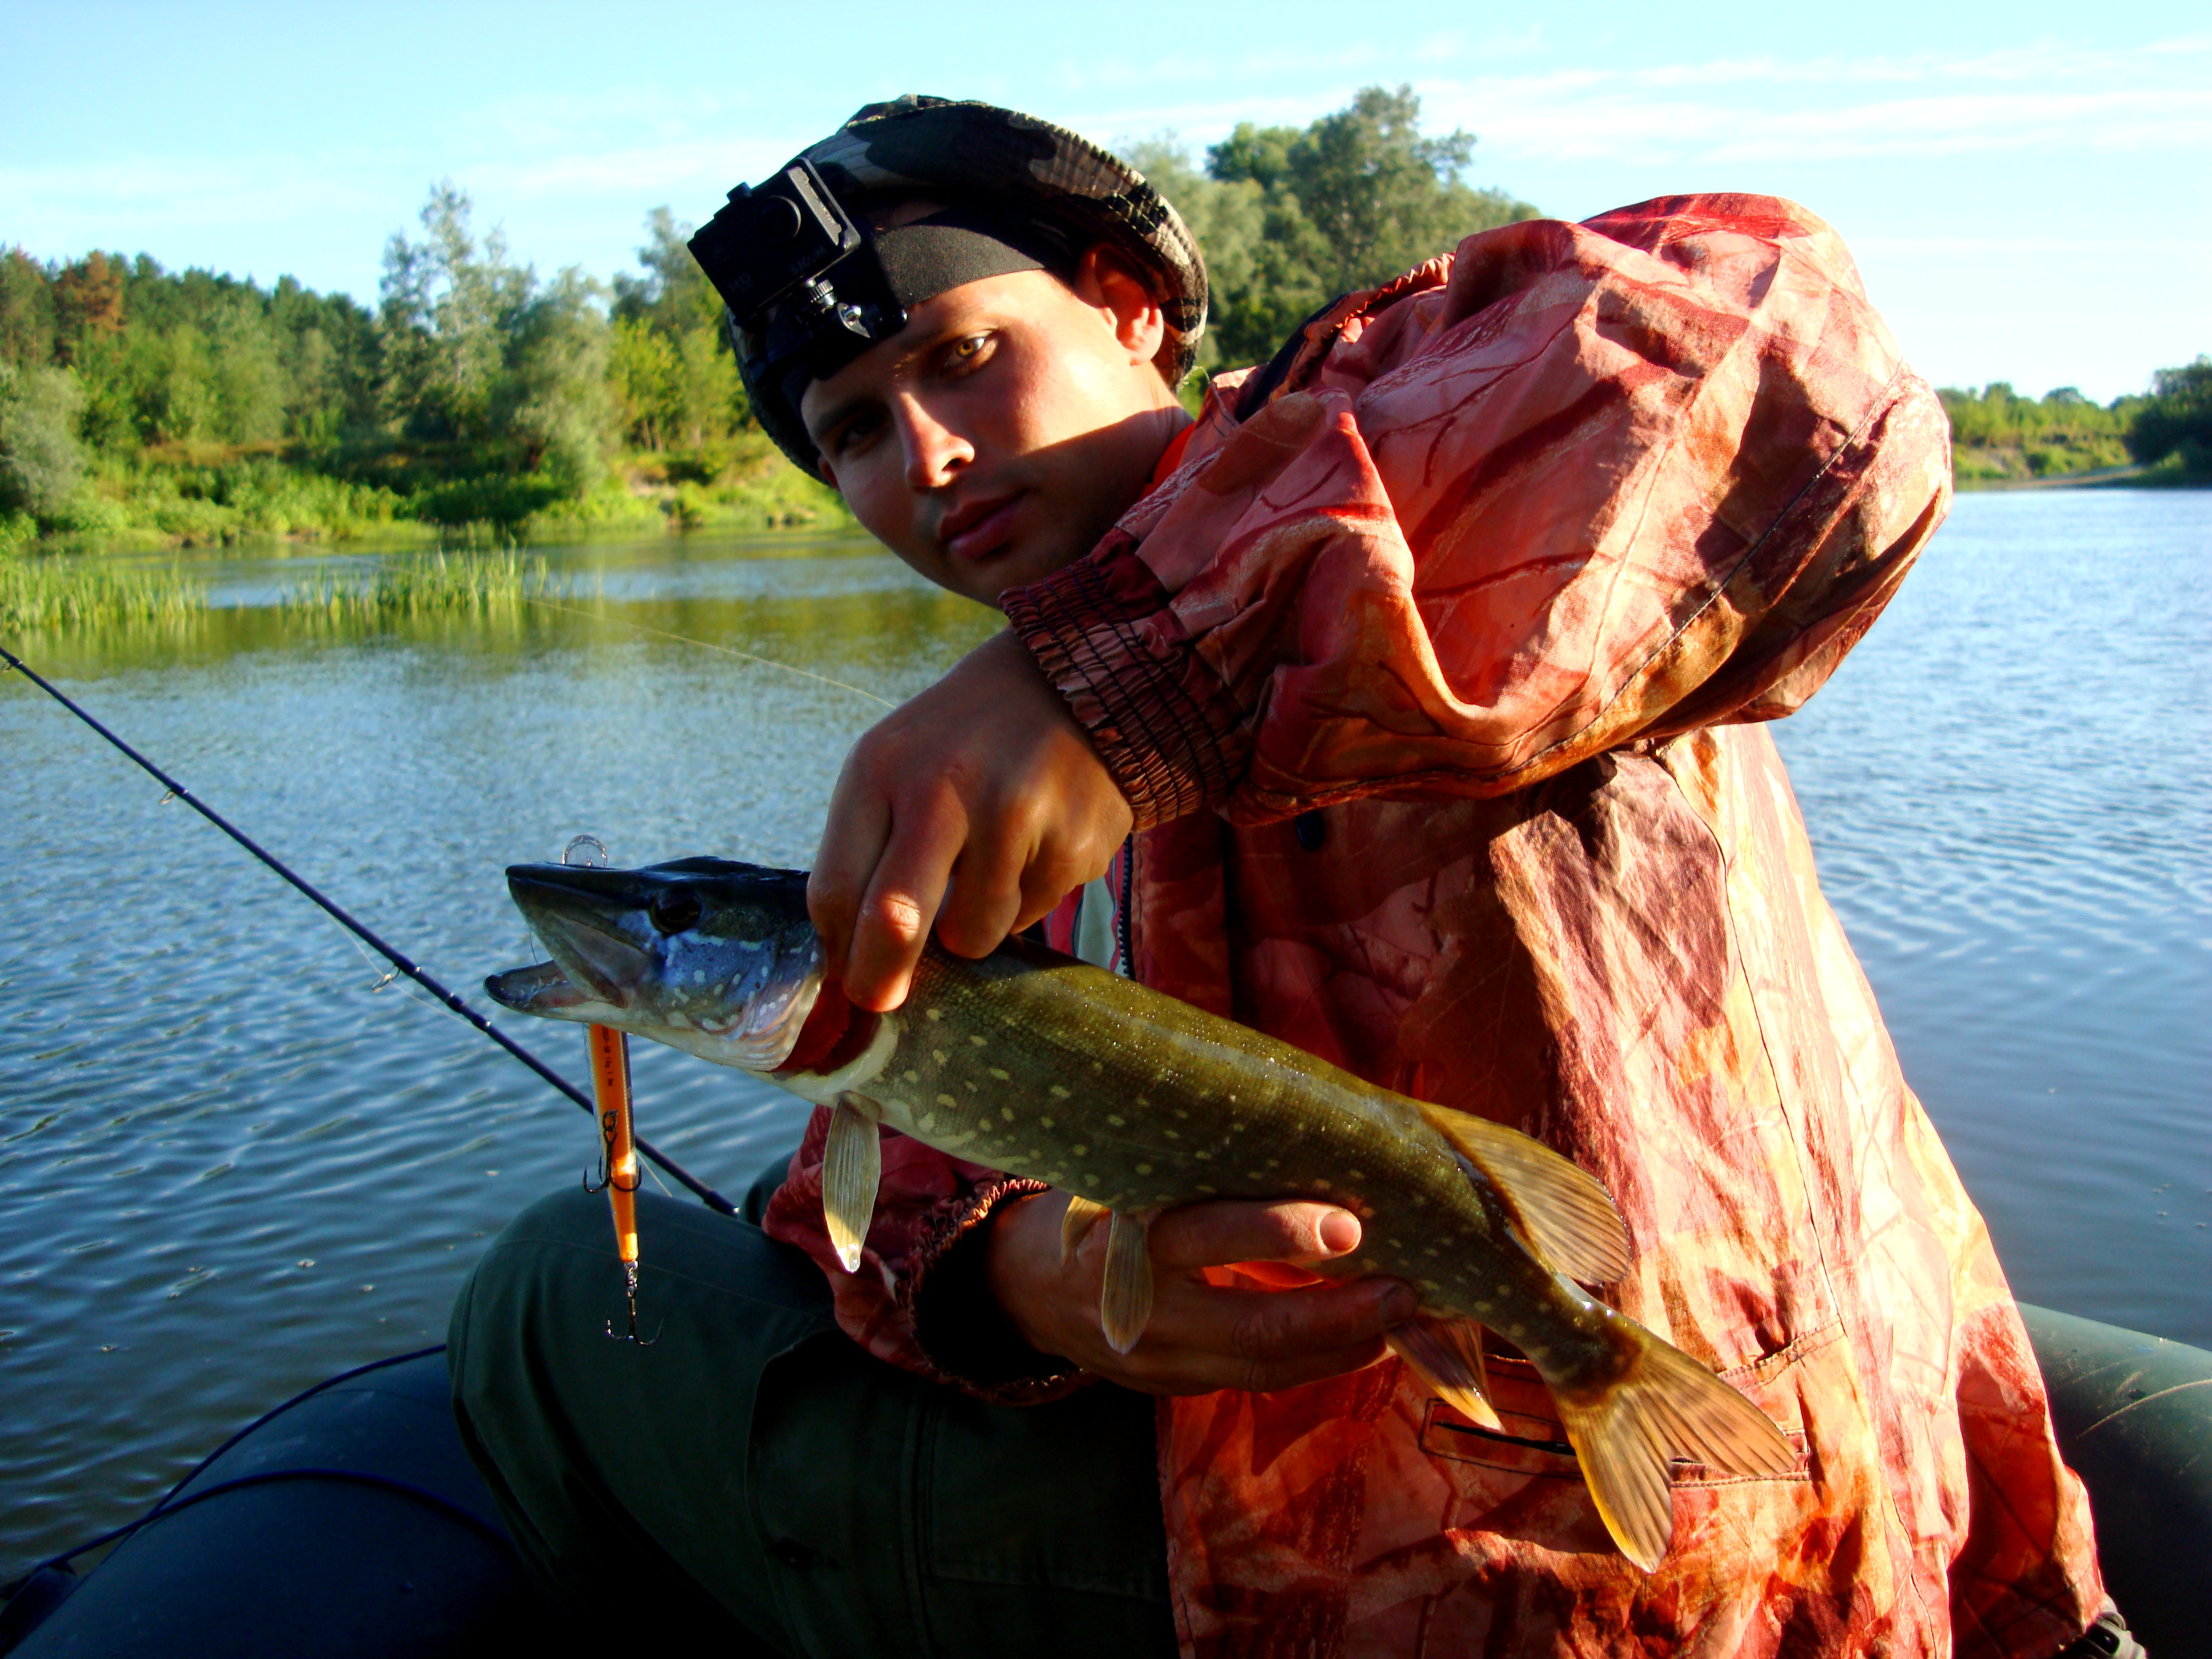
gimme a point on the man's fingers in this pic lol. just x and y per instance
(1262, 1328)
(893, 922)
(985, 899)
(1216, 1233)
(853, 841)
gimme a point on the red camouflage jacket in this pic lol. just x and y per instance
(1434, 675)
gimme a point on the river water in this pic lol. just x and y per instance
(230, 1166)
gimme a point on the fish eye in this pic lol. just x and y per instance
(672, 909)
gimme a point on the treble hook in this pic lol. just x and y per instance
(604, 1180)
(630, 1292)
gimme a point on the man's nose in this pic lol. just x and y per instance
(935, 452)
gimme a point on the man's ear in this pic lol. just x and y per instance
(1109, 280)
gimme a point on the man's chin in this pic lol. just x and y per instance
(1015, 566)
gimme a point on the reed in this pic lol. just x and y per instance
(45, 593)
(439, 584)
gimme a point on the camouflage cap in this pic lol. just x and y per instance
(1010, 164)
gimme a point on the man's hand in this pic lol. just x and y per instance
(982, 796)
(1202, 1337)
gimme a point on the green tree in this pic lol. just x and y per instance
(41, 462)
(673, 294)
(674, 372)
(499, 371)
(1289, 217)
(448, 304)
(1262, 255)
(26, 310)
(2177, 419)
(554, 408)
(711, 402)
(645, 373)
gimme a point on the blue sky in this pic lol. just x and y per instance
(2028, 188)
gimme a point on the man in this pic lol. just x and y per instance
(1427, 667)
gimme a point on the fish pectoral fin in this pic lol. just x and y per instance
(1565, 1213)
(1663, 1405)
(851, 1166)
(1076, 1224)
(1125, 1298)
(1446, 1354)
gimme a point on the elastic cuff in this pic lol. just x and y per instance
(957, 1322)
(1105, 634)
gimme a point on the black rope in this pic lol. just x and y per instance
(707, 1195)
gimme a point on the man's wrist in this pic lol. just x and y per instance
(960, 1320)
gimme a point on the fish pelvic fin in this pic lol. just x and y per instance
(1564, 1212)
(1125, 1298)
(1662, 1404)
(1076, 1224)
(851, 1166)
(1446, 1354)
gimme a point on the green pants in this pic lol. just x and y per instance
(754, 1478)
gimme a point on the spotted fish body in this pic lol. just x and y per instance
(1034, 1063)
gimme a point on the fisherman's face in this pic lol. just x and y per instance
(997, 436)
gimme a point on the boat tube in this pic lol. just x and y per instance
(348, 1523)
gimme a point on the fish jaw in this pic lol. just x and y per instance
(711, 957)
(548, 991)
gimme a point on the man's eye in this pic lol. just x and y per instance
(851, 435)
(969, 349)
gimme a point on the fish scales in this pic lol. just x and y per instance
(1132, 1101)
(1129, 1098)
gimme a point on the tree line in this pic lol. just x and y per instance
(1997, 434)
(190, 405)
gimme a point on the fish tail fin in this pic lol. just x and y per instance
(1446, 1354)
(1661, 1406)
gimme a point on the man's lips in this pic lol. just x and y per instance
(975, 528)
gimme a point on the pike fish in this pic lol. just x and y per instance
(1131, 1101)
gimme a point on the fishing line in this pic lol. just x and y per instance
(706, 1195)
(708, 645)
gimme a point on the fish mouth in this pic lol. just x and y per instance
(595, 924)
(543, 989)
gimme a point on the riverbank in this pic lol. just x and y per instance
(180, 496)
(2169, 474)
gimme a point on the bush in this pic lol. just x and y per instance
(41, 462)
(2177, 419)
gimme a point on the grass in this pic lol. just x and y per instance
(42, 595)
(462, 586)
(63, 592)
(185, 496)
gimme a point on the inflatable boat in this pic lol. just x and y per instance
(348, 1523)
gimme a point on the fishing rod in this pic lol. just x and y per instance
(705, 1193)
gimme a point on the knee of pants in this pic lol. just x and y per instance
(531, 1257)
(551, 1272)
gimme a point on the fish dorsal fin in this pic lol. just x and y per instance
(1446, 1354)
(1564, 1212)
(1076, 1224)
(1125, 1299)
(851, 1166)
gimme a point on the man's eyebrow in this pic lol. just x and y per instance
(826, 424)
(845, 408)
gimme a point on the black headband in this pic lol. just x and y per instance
(892, 272)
